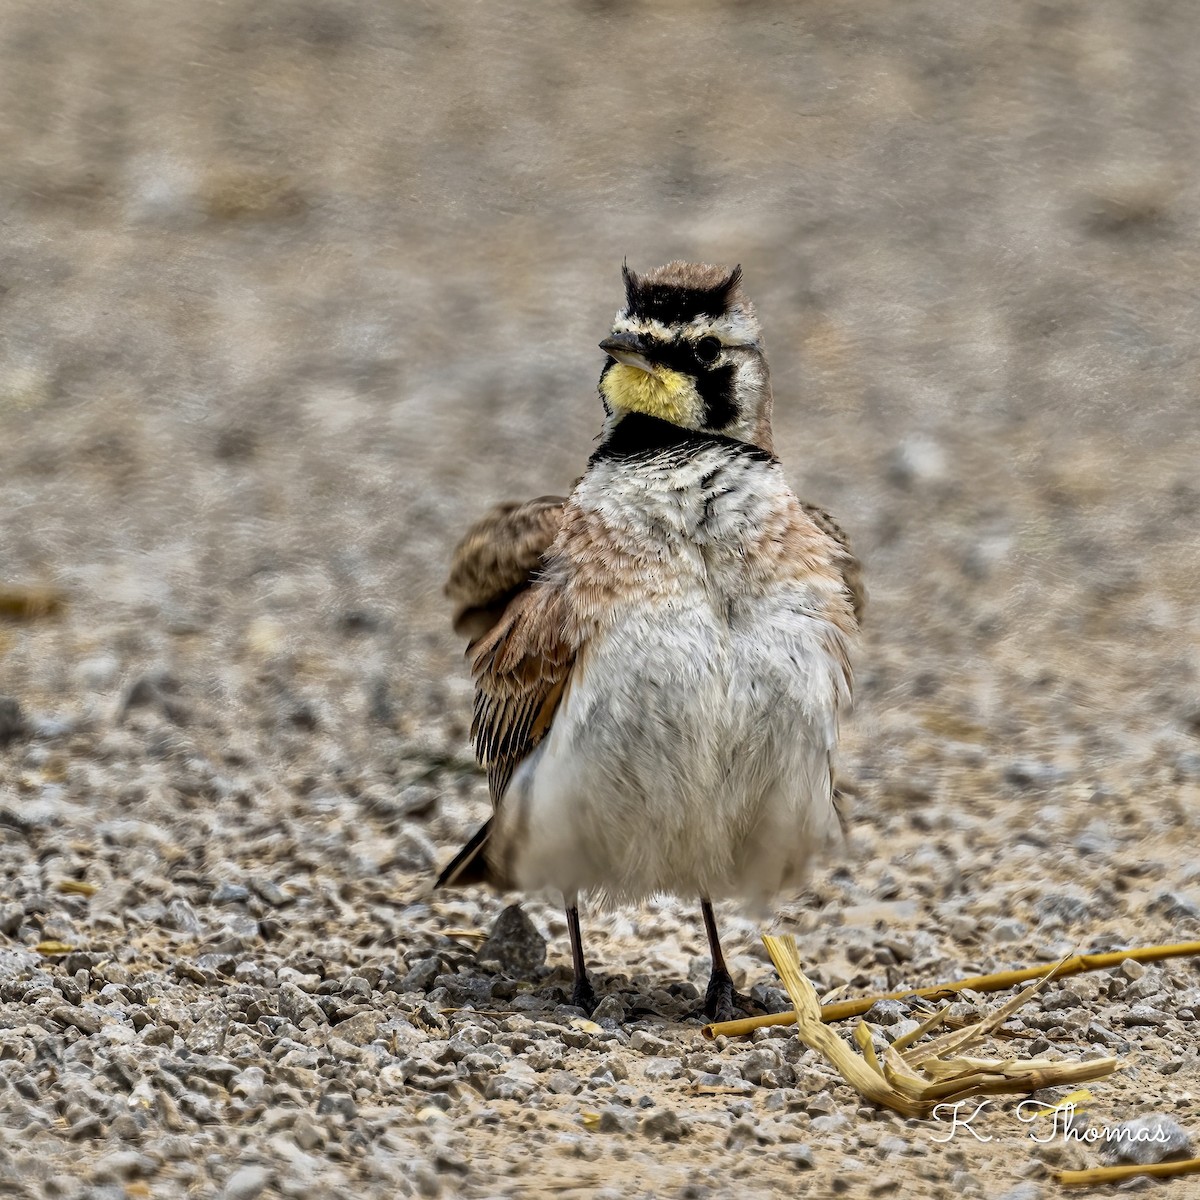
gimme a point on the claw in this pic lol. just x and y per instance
(723, 1003)
(582, 995)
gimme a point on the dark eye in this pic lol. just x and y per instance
(707, 349)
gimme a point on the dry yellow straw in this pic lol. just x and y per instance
(916, 1081)
(999, 982)
(1095, 1175)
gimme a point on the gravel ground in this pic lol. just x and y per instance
(290, 291)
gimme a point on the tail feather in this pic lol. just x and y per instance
(470, 864)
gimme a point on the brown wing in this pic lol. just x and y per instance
(496, 560)
(522, 668)
(849, 566)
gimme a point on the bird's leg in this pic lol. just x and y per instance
(582, 995)
(720, 1000)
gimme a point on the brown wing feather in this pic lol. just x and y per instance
(848, 564)
(522, 668)
(497, 559)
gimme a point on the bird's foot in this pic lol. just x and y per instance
(582, 995)
(723, 1003)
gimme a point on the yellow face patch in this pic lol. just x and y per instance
(665, 394)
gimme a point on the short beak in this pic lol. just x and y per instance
(629, 349)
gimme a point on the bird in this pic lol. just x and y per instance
(661, 657)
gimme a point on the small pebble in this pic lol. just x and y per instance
(664, 1125)
(886, 1012)
(246, 1183)
(1148, 1139)
(515, 944)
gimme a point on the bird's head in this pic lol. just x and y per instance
(686, 348)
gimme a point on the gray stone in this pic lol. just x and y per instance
(208, 1066)
(1060, 998)
(799, 1154)
(832, 1123)
(123, 1164)
(1174, 905)
(200, 1108)
(1148, 1139)
(246, 1183)
(86, 1127)
(664, 1125)
(307, 1134)
(298, 1006)
(182, 917)
(886, 1012)
(337, 1104)
(359, 1030)
(356, 987)
(158, 1035)
(1093, 841)
(758, 1063)
(563, 1083)
(248, 1083)
(17, 964)
(616, 1120)
(1106, 1037)
(515, 944)
(1023, 1191)
(507, 1086)
(48, 808)
(647, 1043)
(1143, 1014)
(229, 893)
(271, 893)
(1009, 930)
(11, 916)
(421, 975)
(1032, 775)
(662, 1068)
(1152, 984)
(83, 1019)
(1062, 907)
(900, 1029)
(609, 1011)
(208, 1035)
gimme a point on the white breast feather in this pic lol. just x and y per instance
(692, 752)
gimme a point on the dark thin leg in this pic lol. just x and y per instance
(582, 995)
(714, 942)
(721, 1002)
(718, 999)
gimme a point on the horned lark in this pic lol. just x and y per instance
(660, 657)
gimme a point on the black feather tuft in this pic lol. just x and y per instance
(677, 303)
(632, 284)
(732, 283)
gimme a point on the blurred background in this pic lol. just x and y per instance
(290, 292)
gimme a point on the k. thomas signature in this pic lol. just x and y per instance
(1046, 1124)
